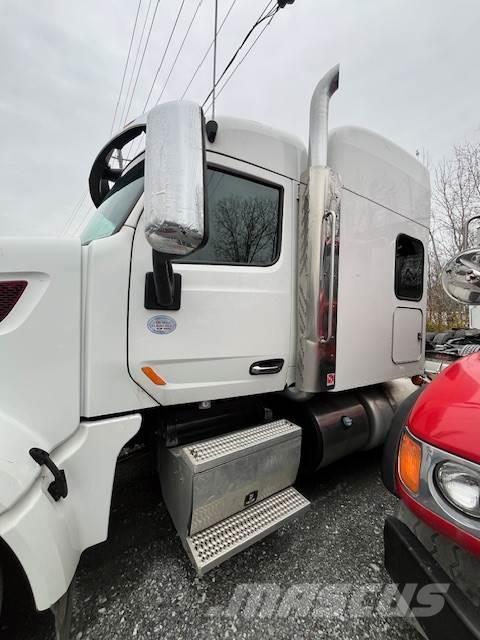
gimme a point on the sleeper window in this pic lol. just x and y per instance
(409, 266)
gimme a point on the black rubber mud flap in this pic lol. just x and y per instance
(62, 610)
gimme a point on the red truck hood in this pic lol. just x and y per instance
(447, 413)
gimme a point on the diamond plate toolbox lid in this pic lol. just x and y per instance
(210, 453)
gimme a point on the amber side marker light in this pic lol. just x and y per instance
(410, 462)
(154, 377)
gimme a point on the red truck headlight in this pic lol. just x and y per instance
(460, 486)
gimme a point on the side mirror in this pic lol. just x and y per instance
(175, 194)
(461, 277)
(174, 199)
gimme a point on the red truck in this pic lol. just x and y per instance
(432, 463)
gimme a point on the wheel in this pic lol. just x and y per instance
(460, 566)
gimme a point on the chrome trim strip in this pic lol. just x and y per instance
(318, 263)
(331, 285)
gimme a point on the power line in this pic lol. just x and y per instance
(270, 13)
(79, 204)
(122, 117)
(143, 56)
(135, 152)
(75, 211)
(207, 51)
(164, 54)
(180, 50)
(84, 218)
(241, 60)
(126, 66)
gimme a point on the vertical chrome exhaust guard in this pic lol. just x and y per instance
(318, 250)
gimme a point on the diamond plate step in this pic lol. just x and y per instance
(214, 451)
(221, 541)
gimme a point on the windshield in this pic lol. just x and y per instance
(117, 205)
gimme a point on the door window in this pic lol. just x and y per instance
(244, 221)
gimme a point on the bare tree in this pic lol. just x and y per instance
(246, 229)
(455, 198)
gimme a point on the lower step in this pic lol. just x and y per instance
(212, 546)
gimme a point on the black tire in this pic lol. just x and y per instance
(460, 566)
(392, 442)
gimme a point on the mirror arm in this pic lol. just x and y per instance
(163, 278)
(163, 286)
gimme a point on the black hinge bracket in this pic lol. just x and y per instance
(58, 488)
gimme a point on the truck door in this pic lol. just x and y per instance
(232, 333)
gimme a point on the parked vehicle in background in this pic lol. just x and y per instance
(444, 347)
(432, 463)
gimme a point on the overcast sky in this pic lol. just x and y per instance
(410, 70)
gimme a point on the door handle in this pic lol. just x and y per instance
(265, 367)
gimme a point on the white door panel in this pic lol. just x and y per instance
(407, 335)
(230, 317)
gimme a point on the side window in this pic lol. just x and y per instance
(409, 266)
(244, 221)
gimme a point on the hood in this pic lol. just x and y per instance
(40, 354)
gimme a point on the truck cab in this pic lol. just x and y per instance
(244, 305)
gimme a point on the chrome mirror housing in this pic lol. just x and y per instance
(461, 277)
(175, 192)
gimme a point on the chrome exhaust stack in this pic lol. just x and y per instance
(318, 251)
(318, 137)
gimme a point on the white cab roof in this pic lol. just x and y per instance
(260, 145)
(375, 168)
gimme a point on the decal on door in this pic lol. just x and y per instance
(162, 325)
(330, 379)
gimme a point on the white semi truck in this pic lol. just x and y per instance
(245, 305)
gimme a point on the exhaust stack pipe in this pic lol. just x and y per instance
(317, 154)
(318, 254)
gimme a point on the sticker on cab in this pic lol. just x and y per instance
(162, 325)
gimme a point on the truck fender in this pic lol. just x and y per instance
(47, 536)
(392, 442)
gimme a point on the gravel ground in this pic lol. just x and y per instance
(139, 584)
